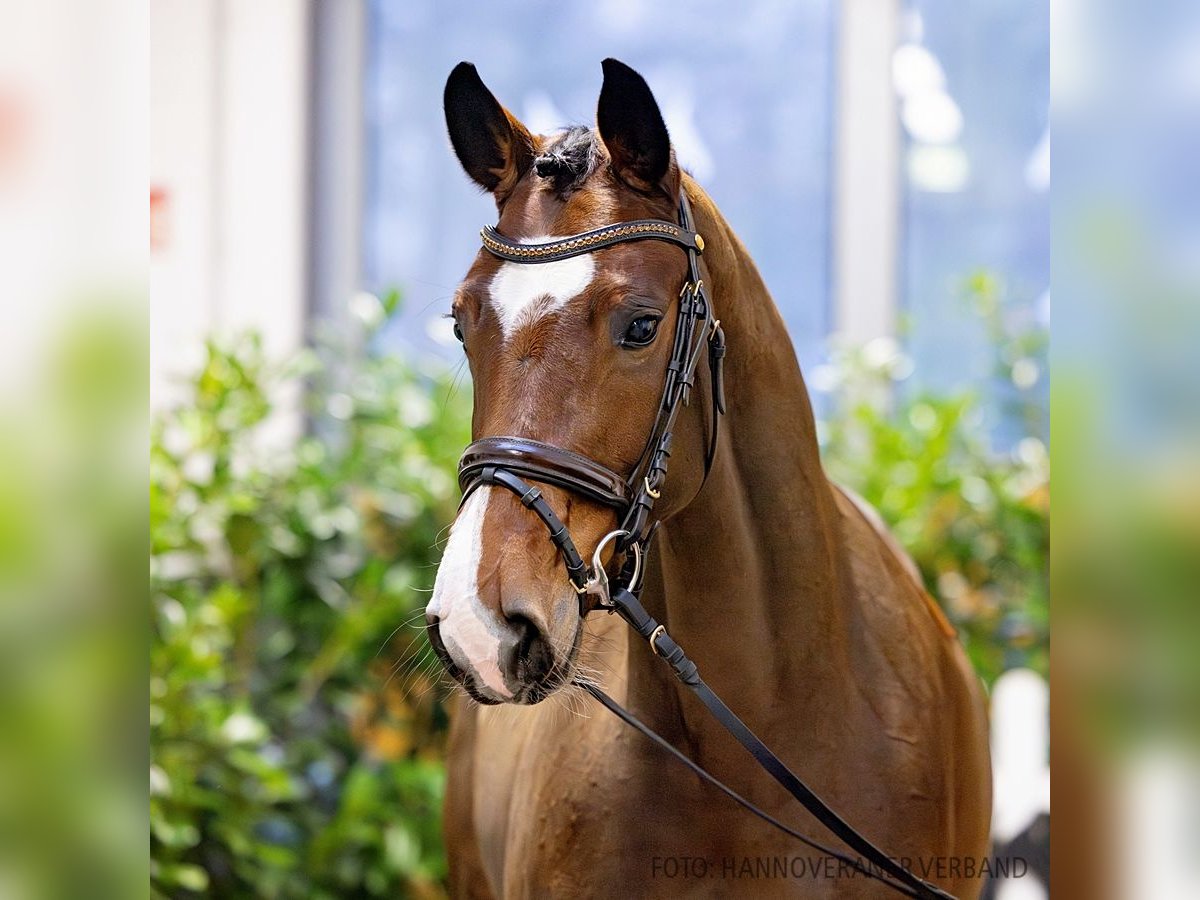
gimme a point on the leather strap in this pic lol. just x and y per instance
(638, 725)
(631, 610)
(545, 463)
(531, 498)
(586, 242)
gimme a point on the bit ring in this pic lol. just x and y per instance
(598, 583)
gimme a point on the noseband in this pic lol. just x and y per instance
(508, 461)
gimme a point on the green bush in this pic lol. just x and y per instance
(296, 726)
(289, 757)
(975, 520)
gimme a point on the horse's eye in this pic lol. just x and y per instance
(458, 332)
(640, 332)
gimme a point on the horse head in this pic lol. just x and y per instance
(570, 352)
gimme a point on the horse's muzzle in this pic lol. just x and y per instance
(527, 662)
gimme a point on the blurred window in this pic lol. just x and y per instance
(972, 83)
(746, 90)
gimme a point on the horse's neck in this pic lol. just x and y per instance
(751, 574)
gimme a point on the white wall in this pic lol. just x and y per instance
(72, 176)
(867, 175)
(229, 101)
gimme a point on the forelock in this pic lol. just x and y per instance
(569, 159)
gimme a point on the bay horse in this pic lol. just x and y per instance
(789, 593)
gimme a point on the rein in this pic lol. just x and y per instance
(507, 462)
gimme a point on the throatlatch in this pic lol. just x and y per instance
(508, 461)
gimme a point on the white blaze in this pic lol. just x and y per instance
(520, 294)
(517, 287)
(470, 631)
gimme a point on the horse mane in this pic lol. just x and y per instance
(569, 159)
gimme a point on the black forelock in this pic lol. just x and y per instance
(569, 159)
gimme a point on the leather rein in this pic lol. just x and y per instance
(507, 462)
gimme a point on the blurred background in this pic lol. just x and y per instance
(887, 164)
(886, 161)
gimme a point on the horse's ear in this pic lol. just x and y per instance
(495, 149)
(633, 131)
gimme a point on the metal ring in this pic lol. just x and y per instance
(637, 566)
(654, 636)
(598, 566)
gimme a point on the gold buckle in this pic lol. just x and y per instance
(654, 636)
(649, 490)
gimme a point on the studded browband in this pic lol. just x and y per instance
(640, 230)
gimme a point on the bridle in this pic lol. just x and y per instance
(507, 462)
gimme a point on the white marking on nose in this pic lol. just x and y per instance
(470, 631)
(516, 287)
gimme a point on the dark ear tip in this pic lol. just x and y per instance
(614, 68)
(462, 74)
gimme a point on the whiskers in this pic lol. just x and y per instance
(455, 382)
(410, 622)
(417, 677)
(580, 660)
(416, 671)
(439, 540)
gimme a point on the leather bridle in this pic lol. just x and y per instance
(507, 462)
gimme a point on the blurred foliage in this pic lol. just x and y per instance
(974, 517)
(279, 577)
(73, 428)
(284, 570)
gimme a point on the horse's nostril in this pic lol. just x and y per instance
(533, 657)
